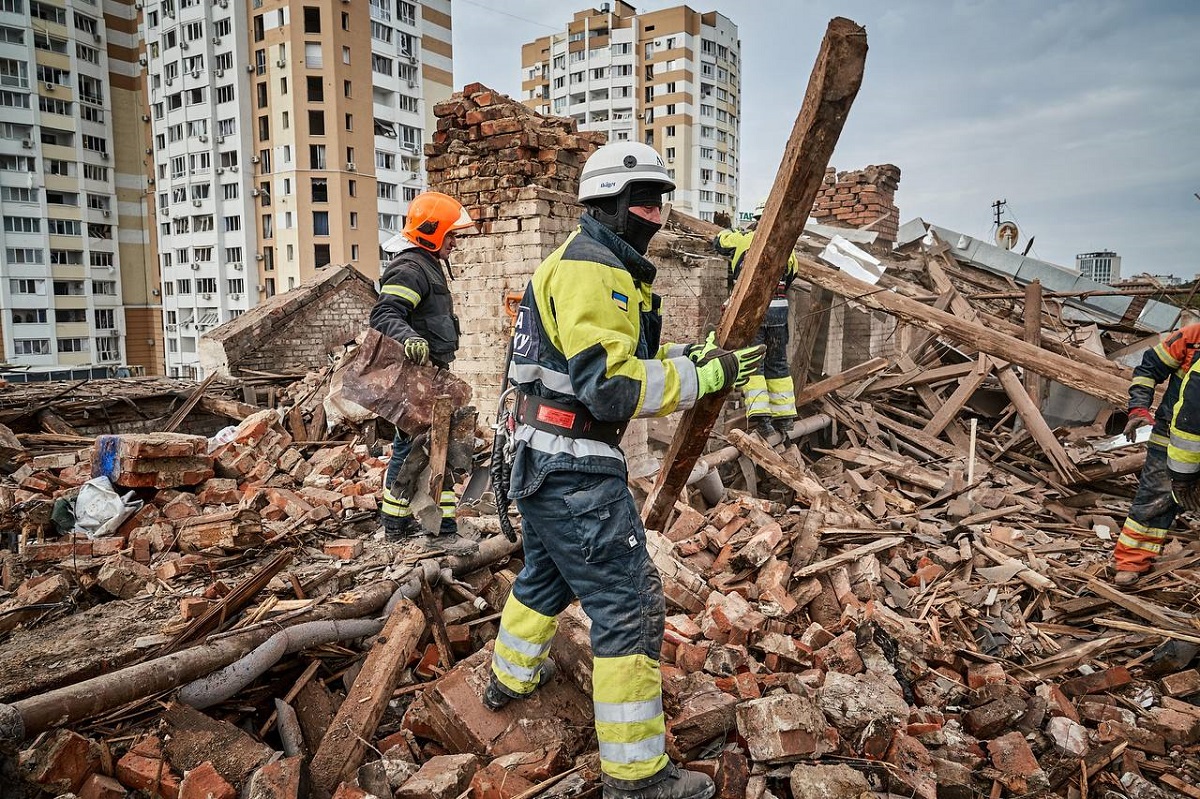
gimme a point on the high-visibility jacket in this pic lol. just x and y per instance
(1168, 360)
(414, 300)
(1183, 448)
(733, 244)
(587, 334)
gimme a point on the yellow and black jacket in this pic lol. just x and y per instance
(1169, 360)
(733, 244)
(587, 334)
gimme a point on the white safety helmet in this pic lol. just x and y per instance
(614, 166)
(758, 210)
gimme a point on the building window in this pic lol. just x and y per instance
(312, 20)
(320, 223)
(29, 316)
(31, 346)
(105, 287)
(320, 255)
(206, 285)
(316, 89)
(316, 123)
(73, 345)
(320, 190)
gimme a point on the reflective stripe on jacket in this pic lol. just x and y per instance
(1168, 360)
(733, 244)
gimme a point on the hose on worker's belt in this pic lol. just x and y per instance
(503, 451)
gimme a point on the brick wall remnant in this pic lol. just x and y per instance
(294, 331)
(858, 199)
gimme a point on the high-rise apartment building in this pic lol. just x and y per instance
(1102, 267)
(669, 78)
(286, 136)
(70, 178)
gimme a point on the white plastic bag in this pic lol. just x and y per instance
(100, 510)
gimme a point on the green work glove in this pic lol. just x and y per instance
(698, 352)
(722, 368)
(416, 349)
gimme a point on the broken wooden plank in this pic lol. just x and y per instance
(1036, 425)
(439, 442)
(1027, 575)
(840, 380)
(832, 88)
(1070, 372)
(822, 566)
(342, 749)
(793, 477)
(966, 389)
(1033, 334)
(917, 374)
(1138, 606)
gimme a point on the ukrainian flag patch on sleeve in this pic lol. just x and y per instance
(621, 300)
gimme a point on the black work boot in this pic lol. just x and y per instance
(398, 528)
(784, 424)
(761, 425)
(670, 783)
(496, 696)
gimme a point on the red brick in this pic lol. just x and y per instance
(914, 765)
(783, 727)
(203, 782)
(345, 791)
(219, 491)
(1174, 726)
(498, 781)
(344, 548)
(321, 496)
(1012, 756)
(193, 607)
(289, 502)
(840, 654)
(1057, 701)
(147, 774)
(98, 786)
(181, 506)
(61, 762)
(925, 575)
(1099, 682)
(441, 777)
(278, 780)
(981, 674)
(1138, 738)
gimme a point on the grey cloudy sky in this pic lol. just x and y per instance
(1083, 114)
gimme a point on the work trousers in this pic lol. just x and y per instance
(397, 509)
(770, 391)
(1150, 516)
(583, 538)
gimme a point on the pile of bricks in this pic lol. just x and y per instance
(488, 147)
(197, 505)
(859, 199)
(152, 460)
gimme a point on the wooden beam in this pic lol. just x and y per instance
(840, 380)
(910, 377)
(1114, 468)
(1033, 334)
(794, 477)
(439, 444)
(341, 750)
(834, 83)
(1138, 606)
(1036, 425)
(822, 566)
(1106, 386)
(966, 389)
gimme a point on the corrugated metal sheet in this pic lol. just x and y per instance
(1155, 316)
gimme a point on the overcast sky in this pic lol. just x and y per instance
(1084, 115)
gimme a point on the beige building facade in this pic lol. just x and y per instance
(669, 78)
(287, 137)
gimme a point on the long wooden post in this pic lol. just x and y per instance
(834, 83)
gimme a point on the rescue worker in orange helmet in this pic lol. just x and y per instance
(416, 309)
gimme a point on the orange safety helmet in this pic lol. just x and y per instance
(431, 215)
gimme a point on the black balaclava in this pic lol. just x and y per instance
(613, 213)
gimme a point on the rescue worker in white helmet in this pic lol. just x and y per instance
(416, 309)
(770, 394)
(586, 359)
